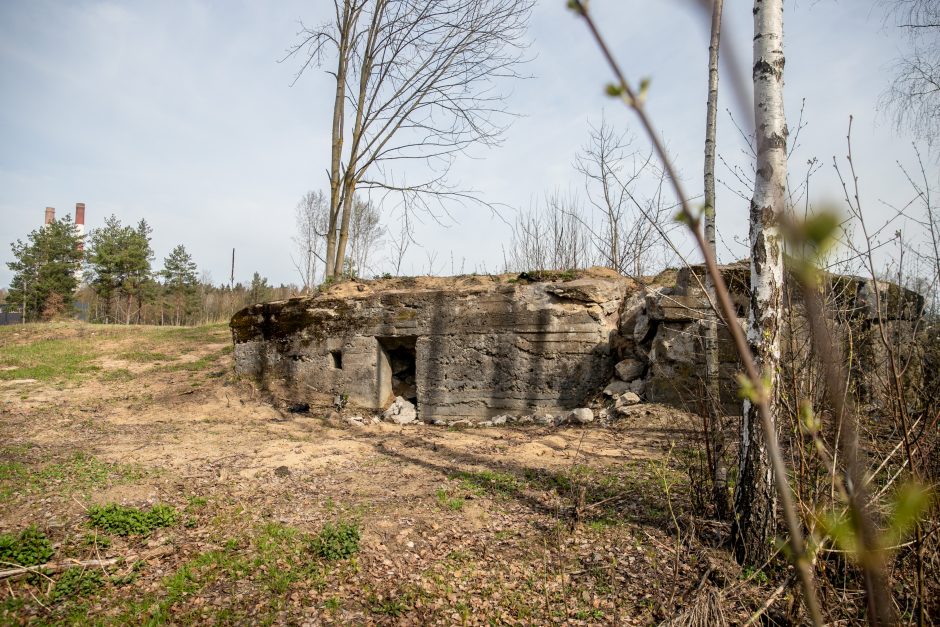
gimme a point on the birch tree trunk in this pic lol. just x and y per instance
(756, 495)
(712, 388)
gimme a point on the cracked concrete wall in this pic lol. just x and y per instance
(483, 346)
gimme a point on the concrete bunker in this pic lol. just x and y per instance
(477, 347)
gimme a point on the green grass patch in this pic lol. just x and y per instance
(145, 357)
(444, 499)
(336, 541)
(79, 473)
(273, 561)
(203, 363)
(30, 547)
(126, 521)
(118, 375)
(47, 360)
(489, 481)
(205, 334)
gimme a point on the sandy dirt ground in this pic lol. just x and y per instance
(474, 526)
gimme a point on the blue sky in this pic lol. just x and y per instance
(178, 112)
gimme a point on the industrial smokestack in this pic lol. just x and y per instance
(50, 214)
(80, 222)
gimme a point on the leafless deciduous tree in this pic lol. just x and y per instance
(633, 231)
(311, 215)
(914, 95)
(365, 234)
(551, 238)
(416, 80)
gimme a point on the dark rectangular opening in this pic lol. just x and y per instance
(337, 358)
(402, 363)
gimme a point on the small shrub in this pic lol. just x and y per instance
(76, 582)
(126, 521)
(336, 541)
(30, 548)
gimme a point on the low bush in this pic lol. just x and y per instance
(126, 521)
(30, 548)
(336, 541)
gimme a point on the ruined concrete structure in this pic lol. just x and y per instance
(474, 347)
(468, 347)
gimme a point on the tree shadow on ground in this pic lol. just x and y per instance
(628, 492)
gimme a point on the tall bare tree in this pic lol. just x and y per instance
(756, 495)
(712, 374)
(312, 216)
(416, 80)
(914, 94)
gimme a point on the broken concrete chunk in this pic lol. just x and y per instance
(629, 312)
(630, 369)
(581, 416)
(588, 290)
(626, 400)
(616, 388)
(401, 412)
(641, 328)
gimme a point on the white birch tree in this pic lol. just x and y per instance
(756, 495)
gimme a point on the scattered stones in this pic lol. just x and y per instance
(401, 412)
(630, 369)
(581, 415)
(501, 419)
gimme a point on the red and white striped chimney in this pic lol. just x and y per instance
(50, 215)
(80, 222)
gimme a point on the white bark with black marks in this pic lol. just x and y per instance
(756, 495)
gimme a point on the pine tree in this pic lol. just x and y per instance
(138, 285)
(119, 265)
(46, 269)
(179, 281)
(259, 290)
